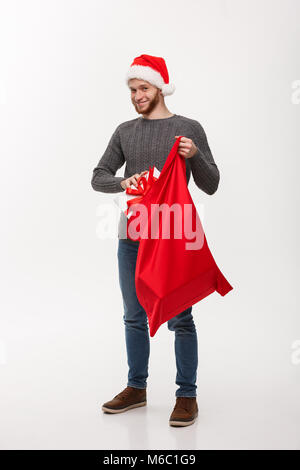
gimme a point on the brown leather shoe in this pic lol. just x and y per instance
(185, 411)
(129, 398)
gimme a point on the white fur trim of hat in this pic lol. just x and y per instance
(150, 75)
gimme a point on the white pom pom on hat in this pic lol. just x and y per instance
(153, 70)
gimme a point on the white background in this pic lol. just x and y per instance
(62, 347)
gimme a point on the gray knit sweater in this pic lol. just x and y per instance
(140, 143)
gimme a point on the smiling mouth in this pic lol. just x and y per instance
(142, 103)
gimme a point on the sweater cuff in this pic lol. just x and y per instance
(196, 155)
(118, 186)
(197, 158)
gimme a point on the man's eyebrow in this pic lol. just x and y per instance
(133, 88)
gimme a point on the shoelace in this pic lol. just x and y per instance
(124, 394)
(183, 402)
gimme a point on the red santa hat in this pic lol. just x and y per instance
(153, 70)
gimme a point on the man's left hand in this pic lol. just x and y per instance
(186, 147)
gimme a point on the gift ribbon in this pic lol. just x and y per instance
(143, 188)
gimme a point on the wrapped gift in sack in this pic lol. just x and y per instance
(135, 194)
(175, 268)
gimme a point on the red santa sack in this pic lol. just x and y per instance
(169, 278)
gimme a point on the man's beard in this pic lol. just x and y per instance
(150, 105)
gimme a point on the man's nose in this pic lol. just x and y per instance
(139, 96)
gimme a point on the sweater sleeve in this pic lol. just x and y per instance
(104, 178)
(204, 169)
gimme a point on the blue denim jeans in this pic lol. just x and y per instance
(137, 331)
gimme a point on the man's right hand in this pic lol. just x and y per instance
(132, 180)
